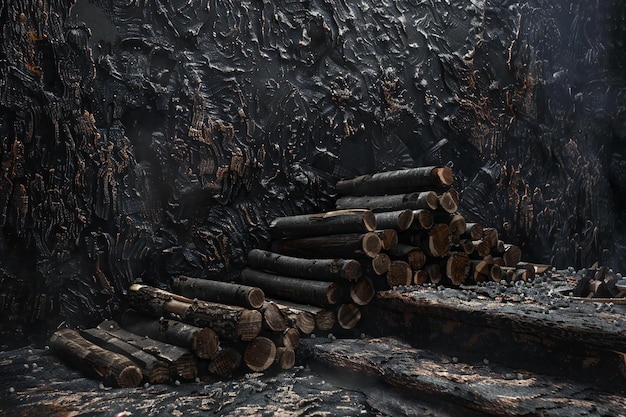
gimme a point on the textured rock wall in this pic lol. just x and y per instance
(144, 139)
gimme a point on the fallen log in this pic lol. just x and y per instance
(219, 292)
(317, 269)
(259, 354)
(229, 322)
(412, 179)
(179, 359)
(289, 338)
(297, 316)
(204, 342)
(70, 346)
(511, 254)
(348, 316)
(321, 293)
(398, 220)
(413, 201)
(332, 246)
(331, 223)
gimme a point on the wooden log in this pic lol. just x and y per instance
(317, 269)
(412, 201)
(273, 319)
(434, 272)
(259, 354)
(511, 254)
(297, 316)
(321, 224)
(204, 342)
(482, 248)
(289, 338)
(457, 267)
(414, 256)
(229, 322)
(219, 292)
(420, 277)
(397, 181)
(467, 246)
(388, 238)
(498, 249)
(348, 316)
(480, 270)
(514, 273)
(436, 242)
(490, 235)
(539, 268)
(224, 362)
(155, 371)
(448, 202)
(400, 273)
(324, 319)
(495, 273)
(422, 220)
(456, 222)
(473, 231)
(285, 358)
(379, 265)
(70, 346)
(398, 220)
(179, 359)
(362, 291)
(305, 291)
(332, 246)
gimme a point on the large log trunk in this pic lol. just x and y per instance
(407, 180)
(414, 201)
(332, 246)
(219, 292)
(334, 222)
(397, 220)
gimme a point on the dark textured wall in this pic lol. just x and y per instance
(145, 139)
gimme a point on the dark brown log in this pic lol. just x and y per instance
(467, 246)
(285, 358)
(490, 235)
(448, 203)
(317, 269)
(414, 256)
(219, 292)
(224, 362)
(154, 370)
(297, 316)
(400, 273)
(420, 277)
(324, 319)
(397, 181)
(434, 272)
(273, 319)
(456, 222)
(379, 265)
(495, 273)
(305, 291)
(539, 268)
(413, 201)
(473, 231)
(229, 322)
(457, 267)
(498, 249)
(333, 246)
(179, 359)
(204, 342)
(525, 273)
(290, 338)
(388, 238)
(436, 242)
(331, 223)
(422, 220)
(99, 362)
(511, 254)
(495, 260)
(259, 354)
(397, 220)
(362, 291)
(480, 270)
(482, 248)
(348, 316)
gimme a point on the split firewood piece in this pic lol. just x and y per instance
(219, 292)
(285, 358)
(224, 362)
(229, 322)
(348, 316)
(180, 359)
(456, 222)
(400, 273)
(431, 177)
(380, 203)
(204, 342)
(70, 346)
(273, 319)
(457, 267)
(332, 246)
(362, 291)
(422, 220)
(473, 231)
(397, 220)
(448, 202)
(154, 370)
(304, 291)
(388, 238)
(420, 277)
(322, 318)
(414, 256)
(436, 242)
(356, 220)
(259, 354)
(316, 269)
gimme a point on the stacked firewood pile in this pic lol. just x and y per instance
(600, 283)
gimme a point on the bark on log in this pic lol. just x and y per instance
(88, 357)
(273, 319)
(229, 322)
(405, 180)
(362, 291)
(259, 354)
(332, 246)
(414, 256)
(321, 293)
(219, 292)
(285, 358)
(180, 359)
(297, 316)
(413, 201)
(447, 202)
(348, 316)
(457, 267)
(321, 224)
(473, 231)
(399, 273)
(154, 370)
(398, 220)
(316, 269)
(324, 319)
(224, 362)
(388, 238)
(422, 220)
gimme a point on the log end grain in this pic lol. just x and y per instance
(325, 320)
(457, 224)
(224, 362)
(290, 338)
(362, 291)
(305, 322)
(352, 269)
(369, 220)
(260, 354)
(255, 298)
(447, 203)
(273, 319)
(458, 267)
(423, 219)
(380, 263)
(420, 277)
(249, 325)
(439, 240)
(285, 358)
(512, 255)
(371, 244)
(205, 343)
(399, 273)
(444, 175)
(348, 316)
(129, 377)
(405, 219)
(334, 293)
(432, 200)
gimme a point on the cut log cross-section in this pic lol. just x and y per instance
(436, 242)
(348, 316)
(219, 292)
(413, 255)
(260, 354)
(388, 238)
(413, 201)
(399, 273)
(334, 222)
(224, 362)
(346, 246)
(398, 220)
(422, 220)
(406, 180)
(457, 267)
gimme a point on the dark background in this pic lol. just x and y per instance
(145, 139)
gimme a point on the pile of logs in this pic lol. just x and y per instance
(600, 283)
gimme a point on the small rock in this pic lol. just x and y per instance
(101, 386)
(146, 385)
(177, 382)
(26, 366)
(486, 361)
(312, 336)
(362, 335)
(455, 359)
(510, 376)
(34, 365)
(520, 376)
(11, 390)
